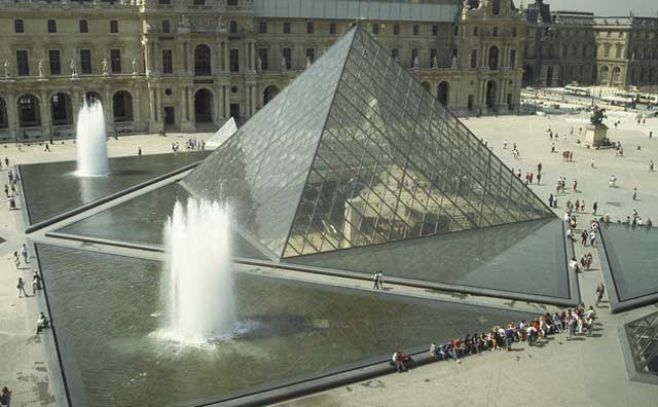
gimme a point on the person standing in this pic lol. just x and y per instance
(24, 253)
(651, 166)
(21, 288)
(592, 238)
(7, 190)
(375, 280)
(550, 198)
(595, 206)
(635, 194)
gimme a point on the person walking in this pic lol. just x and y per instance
(595, 206)
(375, 280)
(600, 290)
(139, 151)
(7, 190)
(651, 166)
(592, 238)
(635, 194)
(24, 253)
(21, 288)
(380, 276)
(538, 178)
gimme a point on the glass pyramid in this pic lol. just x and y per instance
(355, 152)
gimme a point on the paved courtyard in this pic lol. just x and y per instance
(583, 372)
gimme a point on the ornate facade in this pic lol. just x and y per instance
(190, 64)
(566, 47)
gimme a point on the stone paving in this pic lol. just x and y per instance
(583, 372)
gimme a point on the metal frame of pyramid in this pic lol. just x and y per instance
(355, 152)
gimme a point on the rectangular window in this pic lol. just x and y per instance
(262, 27)
(309, 28)
(433, 58)
(456, 31)
(435, 29)
(232, 2)
(512, 58)
(396, 29)
(287, 57)
(416, 29)
(414, 57)
(375, 29)
(22, 63)
(199, 2)
(332, 28)
(84, 26)
(234, 60)
(115, 60)
(262, 54)
(114, 26)
(52, 26)
(286, 28)
(55, 62)
(18, 26)
(475, 31)
(167, 61)
(395, 54)
(85, 61)
(310, 55)
(474, 58)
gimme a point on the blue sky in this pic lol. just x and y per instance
(605, 7)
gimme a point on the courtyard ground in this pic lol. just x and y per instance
(583, 372)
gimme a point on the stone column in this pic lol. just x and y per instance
(147, 58)
(46, 129)
(227, 102)
(225, 67)
(12, 114)
(137, 104)
(221, 108)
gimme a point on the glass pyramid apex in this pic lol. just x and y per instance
(371, 157)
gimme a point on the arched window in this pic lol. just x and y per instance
(29, 114)
(442, 93)
(4, 122)
(61, 113)
(202, 65)
(493, 58)
(269, 94)
(605, 71)
(122, 106)
(616, 74)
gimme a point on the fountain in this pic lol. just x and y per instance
(91, 141)
(197, 284)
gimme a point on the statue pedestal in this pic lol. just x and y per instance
(596, 135)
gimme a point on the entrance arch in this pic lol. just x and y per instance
(29, 111)
(442, 93)
(122, 106)
(269, 94)
(616, 74)
(491, 94)
(60, 110)
(203, 106)
(4, 120)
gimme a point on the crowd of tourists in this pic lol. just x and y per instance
(574, 322)
(11, 188)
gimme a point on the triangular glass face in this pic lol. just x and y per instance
(261, 170)
(355, 152)
(392, 165)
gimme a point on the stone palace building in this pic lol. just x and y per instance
(187, 65)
